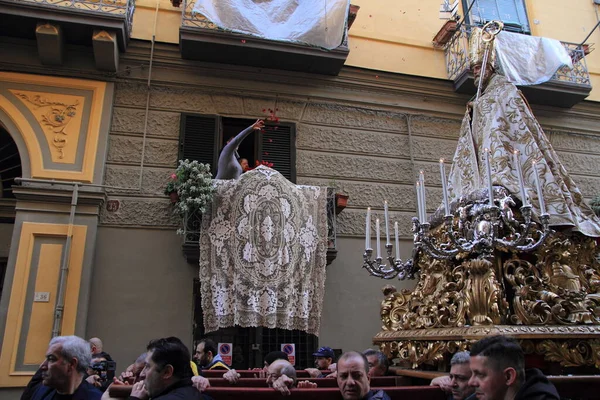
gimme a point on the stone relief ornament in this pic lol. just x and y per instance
(55, 117)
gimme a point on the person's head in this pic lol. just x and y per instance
(484, 74)
(274, 356)
(460, 373)
(498, 368)
(353, 375)
(137, 367)
(244, 164)
(206, 350)
(378, 362)
(95, 345)
(167, 361)
(324, 357)
(67, 360)
(278, 368)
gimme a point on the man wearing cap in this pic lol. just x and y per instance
(324, 360)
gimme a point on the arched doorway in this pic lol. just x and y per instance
(10, 168)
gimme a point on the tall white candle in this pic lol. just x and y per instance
(368, 230)
(423, 202)
(444, 187)
(378, 238)
(397, 240)
(419, 205)
(488, 154)
(387, 222)
(539, 188)
(520, 177)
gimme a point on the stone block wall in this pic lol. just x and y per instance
(371, 152)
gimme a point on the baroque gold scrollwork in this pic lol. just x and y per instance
(56, 117)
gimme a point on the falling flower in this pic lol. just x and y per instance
(173, 176)
(243, 41)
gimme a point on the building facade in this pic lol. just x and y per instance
(99, 101)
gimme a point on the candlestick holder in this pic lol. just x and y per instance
(393, 267)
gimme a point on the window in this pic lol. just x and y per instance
(203, 136)
(511, 12)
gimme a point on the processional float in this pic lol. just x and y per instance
(486, 264)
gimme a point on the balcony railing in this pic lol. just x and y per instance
(202, 40)
(123, 8)
(575, 81)
(457, 60)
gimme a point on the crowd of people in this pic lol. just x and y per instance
(493, 370)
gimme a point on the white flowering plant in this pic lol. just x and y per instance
(194, 186)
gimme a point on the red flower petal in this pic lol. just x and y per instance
(243, 41)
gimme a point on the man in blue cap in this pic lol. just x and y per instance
(324, 360)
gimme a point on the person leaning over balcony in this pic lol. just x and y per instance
(498, 372)
(457, 383)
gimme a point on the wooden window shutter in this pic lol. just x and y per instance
(277, 145)
(199, 139)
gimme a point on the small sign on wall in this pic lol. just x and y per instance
(226, 352)
(113, 205)
(41, 297)
(290, 350)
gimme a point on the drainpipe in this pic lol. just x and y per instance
(64, 267)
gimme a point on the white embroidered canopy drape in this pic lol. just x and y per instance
(263, 251)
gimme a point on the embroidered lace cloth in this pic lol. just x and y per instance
(504, 124)
(263, 252)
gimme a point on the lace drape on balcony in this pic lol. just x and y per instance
(314, 22)
(263, 251)
(530, 60)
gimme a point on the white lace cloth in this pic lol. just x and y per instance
(314, 22)
(263, 252)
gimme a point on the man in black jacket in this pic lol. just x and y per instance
(167, 373)
(498, 372)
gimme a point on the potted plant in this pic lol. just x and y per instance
(190, 187)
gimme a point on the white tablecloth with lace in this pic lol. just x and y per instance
(263, 250)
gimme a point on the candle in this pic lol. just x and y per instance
(520, 176)
(387, 222)
(539, 188)
(397, 240)
(444, 187)
(368, 230)
(423, 202)
(488, 153)
(419, 205)
(378, 243)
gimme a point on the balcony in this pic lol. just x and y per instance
(565, 89)
(103, 24)
(202, 40)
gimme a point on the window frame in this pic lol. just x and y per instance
(524, 29)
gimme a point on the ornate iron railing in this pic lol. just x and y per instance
(457, 60)
(190, 18)
(193, 19)
(112, 7)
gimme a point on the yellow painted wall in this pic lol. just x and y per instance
(41, 317)
(395, 36)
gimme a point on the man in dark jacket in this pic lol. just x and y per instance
(353, 378)
(498, 368)
(167, 373)
(63, 371)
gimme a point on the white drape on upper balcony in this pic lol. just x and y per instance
(315, 22)
(530, 60)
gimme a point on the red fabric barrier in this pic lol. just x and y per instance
(246, 373)
(396, 393)
(321, 382)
